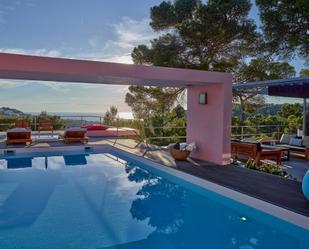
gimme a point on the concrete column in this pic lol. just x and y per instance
(210, 125)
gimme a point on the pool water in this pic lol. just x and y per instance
(92, 201)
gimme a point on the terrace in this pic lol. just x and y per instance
(274, 189)
(210, 162)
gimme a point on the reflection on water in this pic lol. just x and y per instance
(108, 203)
(17, 163)
(184, 219)
(75, 160)
(156, 190)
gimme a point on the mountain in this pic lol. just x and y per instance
(6, 111)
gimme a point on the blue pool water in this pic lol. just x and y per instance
(92, 201)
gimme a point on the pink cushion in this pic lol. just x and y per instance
(95, 127)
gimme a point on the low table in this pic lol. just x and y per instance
(285, 151)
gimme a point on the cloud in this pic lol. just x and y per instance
(128, 34)
(56, 86)
(6, 84)
(40, 52)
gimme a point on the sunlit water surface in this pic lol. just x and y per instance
(99, 201)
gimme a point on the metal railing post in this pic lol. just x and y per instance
(35, 125)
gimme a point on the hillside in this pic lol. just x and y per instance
(6, 111)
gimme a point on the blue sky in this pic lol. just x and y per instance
(95, 30)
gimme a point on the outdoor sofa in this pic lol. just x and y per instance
(254, 150)
(298, 145)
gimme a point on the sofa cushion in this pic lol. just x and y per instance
(296, 141)
(95, 127)
(305, 141)
(296, 148)
(75, 129)
(20, 130)
(285, 138)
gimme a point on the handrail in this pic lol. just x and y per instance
(237, 131)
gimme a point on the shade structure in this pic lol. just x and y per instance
(208, 125)
(293, 88)
(293, 91)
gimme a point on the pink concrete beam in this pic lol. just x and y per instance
(26, 67)
(208, 125)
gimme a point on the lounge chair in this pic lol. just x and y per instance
(18, 136)
(46, 125)
(253, 150)
(22, 123)
(73, 135)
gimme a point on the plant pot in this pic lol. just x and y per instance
(180, 155)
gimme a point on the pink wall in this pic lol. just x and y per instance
(210, 125)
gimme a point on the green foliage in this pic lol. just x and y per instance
(267, 168)
(304, 72)
(291, 117)
(58, 123)
(111, 115)
(171, 125)
(9, 122)
(257, 70)
(286, 25)
(146, 102)
(199, 35)
(288, 110)
(285, 118)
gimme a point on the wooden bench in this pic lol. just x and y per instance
(254, 151)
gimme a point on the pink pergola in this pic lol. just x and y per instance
(209, 125)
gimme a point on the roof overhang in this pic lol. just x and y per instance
(28, 67)
(294, 87)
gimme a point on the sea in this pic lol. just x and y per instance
(87, 116)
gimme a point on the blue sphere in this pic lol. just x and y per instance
(305, 185)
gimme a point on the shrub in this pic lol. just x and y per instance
(267, 168)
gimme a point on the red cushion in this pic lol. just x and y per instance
(95, 127)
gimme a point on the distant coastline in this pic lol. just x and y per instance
(90, 116)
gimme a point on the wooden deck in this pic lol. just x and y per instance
(273, 189)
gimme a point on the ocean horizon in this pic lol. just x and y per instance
(90, 116)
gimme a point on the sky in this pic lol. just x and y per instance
(95, 30)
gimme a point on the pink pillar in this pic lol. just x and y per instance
(210, 125)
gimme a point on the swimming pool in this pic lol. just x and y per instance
(106, 198)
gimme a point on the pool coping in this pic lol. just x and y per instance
(261, 205)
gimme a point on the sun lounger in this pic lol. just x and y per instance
(74, 135)
(46, 125)
(18, 136)
(22, 123)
